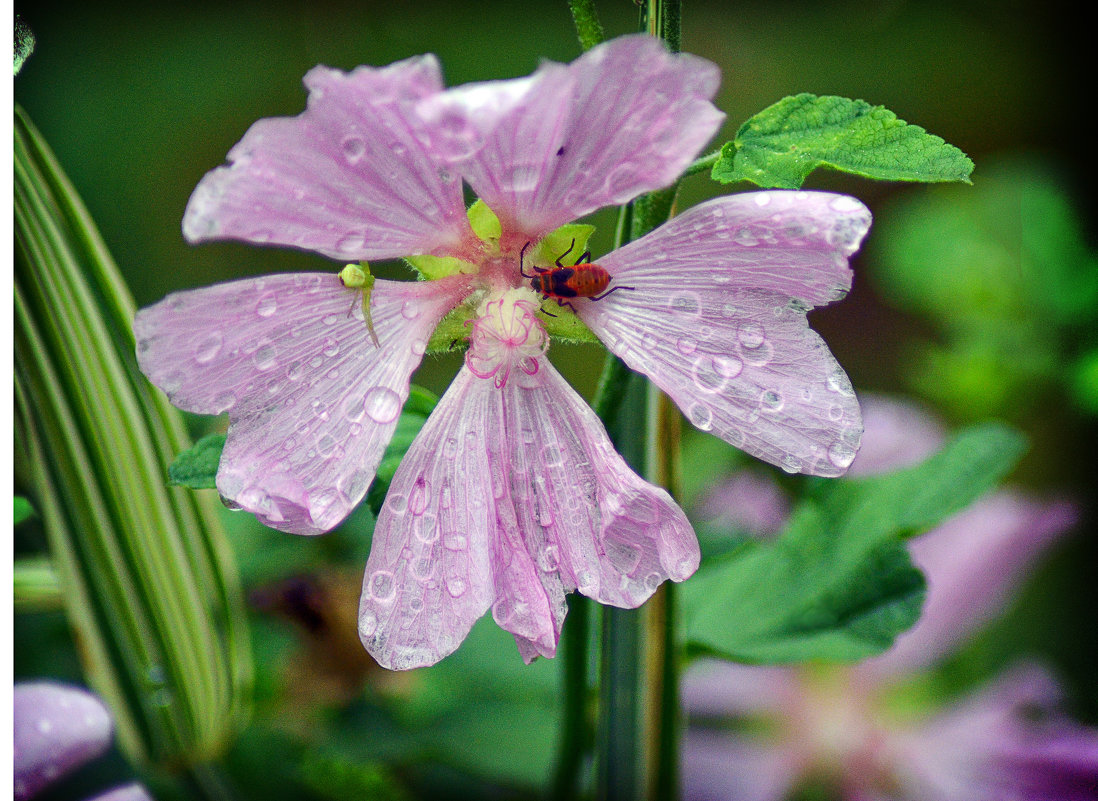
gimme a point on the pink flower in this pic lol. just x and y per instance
(1007, 741)
(511, 496)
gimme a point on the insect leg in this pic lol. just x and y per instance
(611, 289)
(565, 253)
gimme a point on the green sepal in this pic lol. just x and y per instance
(484, 222)
(431, 268)
(452, 332)
(485, 225)
(196, 467)
(778, 147)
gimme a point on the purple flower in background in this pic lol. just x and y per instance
(1006, 741)
(59, 728)
(512, 495)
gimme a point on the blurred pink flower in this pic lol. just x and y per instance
(712, 309)
(58, 729)
(1007, 741)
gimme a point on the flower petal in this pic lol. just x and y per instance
(711, 307)
(349, 178)
(625, 118)
(1007, 741)
(311, 399)
(57, 729)
(719, 766)
(530, 465)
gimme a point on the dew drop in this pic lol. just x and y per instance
(686, 346)
(354, 485)
(707, 376)
(841, 454)
(456, 587)
(367, 624)
(845, 203)
(455, 542)
(685, 303)
(751, 335)
(835, 412)
(267, 305)
(701, 416)
(382, 586)
(222, 402)
(208, 348)
(325, 445)
(382, 405)
(549, 558)
(264, 358)
(331, 347)
(771, 402)
(410, 309)
(838, 382)
(354, 149)
(397, 503)
(351, 244)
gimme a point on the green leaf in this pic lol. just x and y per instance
(412, 417)
(23, 509)
(781, 145)
(838, 585)
(196, 467)
(36, 587)
(147, 576)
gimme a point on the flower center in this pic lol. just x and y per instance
(506, 335)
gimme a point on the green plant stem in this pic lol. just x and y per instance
(704, 164)
(588, 27)
(575, 727)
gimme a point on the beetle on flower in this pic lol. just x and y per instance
(512, 495)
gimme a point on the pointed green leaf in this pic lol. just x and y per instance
(838, 585)
(147, 577)
(196, 467)
(781, 145)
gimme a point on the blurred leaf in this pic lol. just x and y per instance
(1004, 272)
(341, 779)
(148, 580)
(781, 145)
(412, 417)
(1085, 381)
(196, 467)
(838, 584)
(23, 509)
(36, 586)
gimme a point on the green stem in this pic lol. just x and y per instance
(588, 27)
(575, 731)
(704, 164)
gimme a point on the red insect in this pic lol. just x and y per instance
(580, 280)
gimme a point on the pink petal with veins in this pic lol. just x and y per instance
(350, 177)
(312, 401)
(508, 499)
(711, 307)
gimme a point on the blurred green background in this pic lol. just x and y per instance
(140, 100)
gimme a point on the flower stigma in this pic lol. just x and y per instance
(506, 335)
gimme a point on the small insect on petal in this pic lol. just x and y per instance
(583, 279)
(357, 276)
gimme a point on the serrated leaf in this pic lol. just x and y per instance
(839, 584)
(781, 145)
(196, 467)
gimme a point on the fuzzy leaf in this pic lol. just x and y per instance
(196, 467)
(781, 145)
(839, 585)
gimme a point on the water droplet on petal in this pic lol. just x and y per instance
(751, 335)
(762, 199)
(331, 347)
(771, 402)
(701, 416)
(208, 348)
(841, 454)
(456, 587)
(410, 309)
(685, 303)
(367, 624)
(382, 405)
(354, 149)
(396, 503)
(351, 244)
(264, 357)
(382, 586)
(417, 503)
(686, 346)
(267, 305)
